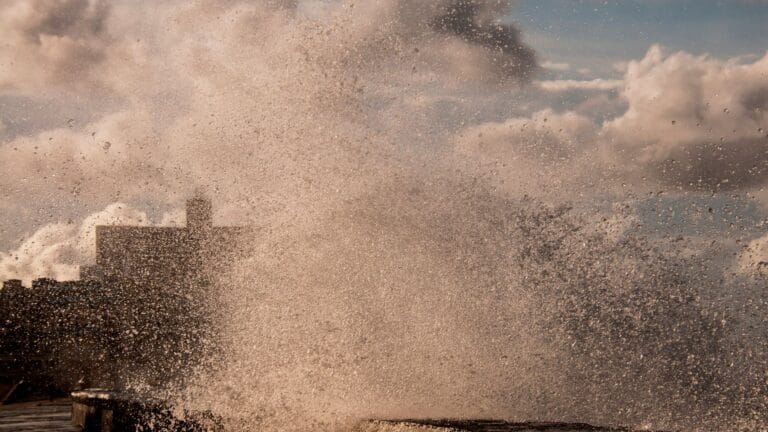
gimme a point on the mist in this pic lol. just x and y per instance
(429, 241)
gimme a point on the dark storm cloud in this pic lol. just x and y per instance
(68, 18)
(478, 22)
(712, 166)
(51, 42)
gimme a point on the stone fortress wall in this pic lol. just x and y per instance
(138, 313)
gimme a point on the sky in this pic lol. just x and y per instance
(595, 102)
(597, 34)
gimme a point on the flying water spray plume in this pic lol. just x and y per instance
(422, 291)
(422, 300)
(390, 276)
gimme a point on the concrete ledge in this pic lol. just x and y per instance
(99, 410)
(478, 426)
(93, 410)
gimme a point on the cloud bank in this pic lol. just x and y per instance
(691, 123)
(694, 122)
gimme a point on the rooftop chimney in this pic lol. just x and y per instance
(12, 284)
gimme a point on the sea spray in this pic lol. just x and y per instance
(444, 299)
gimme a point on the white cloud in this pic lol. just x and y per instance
(543, 154)
(545, 135)
(560, 67)
(692, 122)
(57, 250)
(566, 85)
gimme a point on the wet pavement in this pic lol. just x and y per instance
(37, 417)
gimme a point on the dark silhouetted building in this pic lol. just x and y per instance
(169, 257)
(141, 312)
